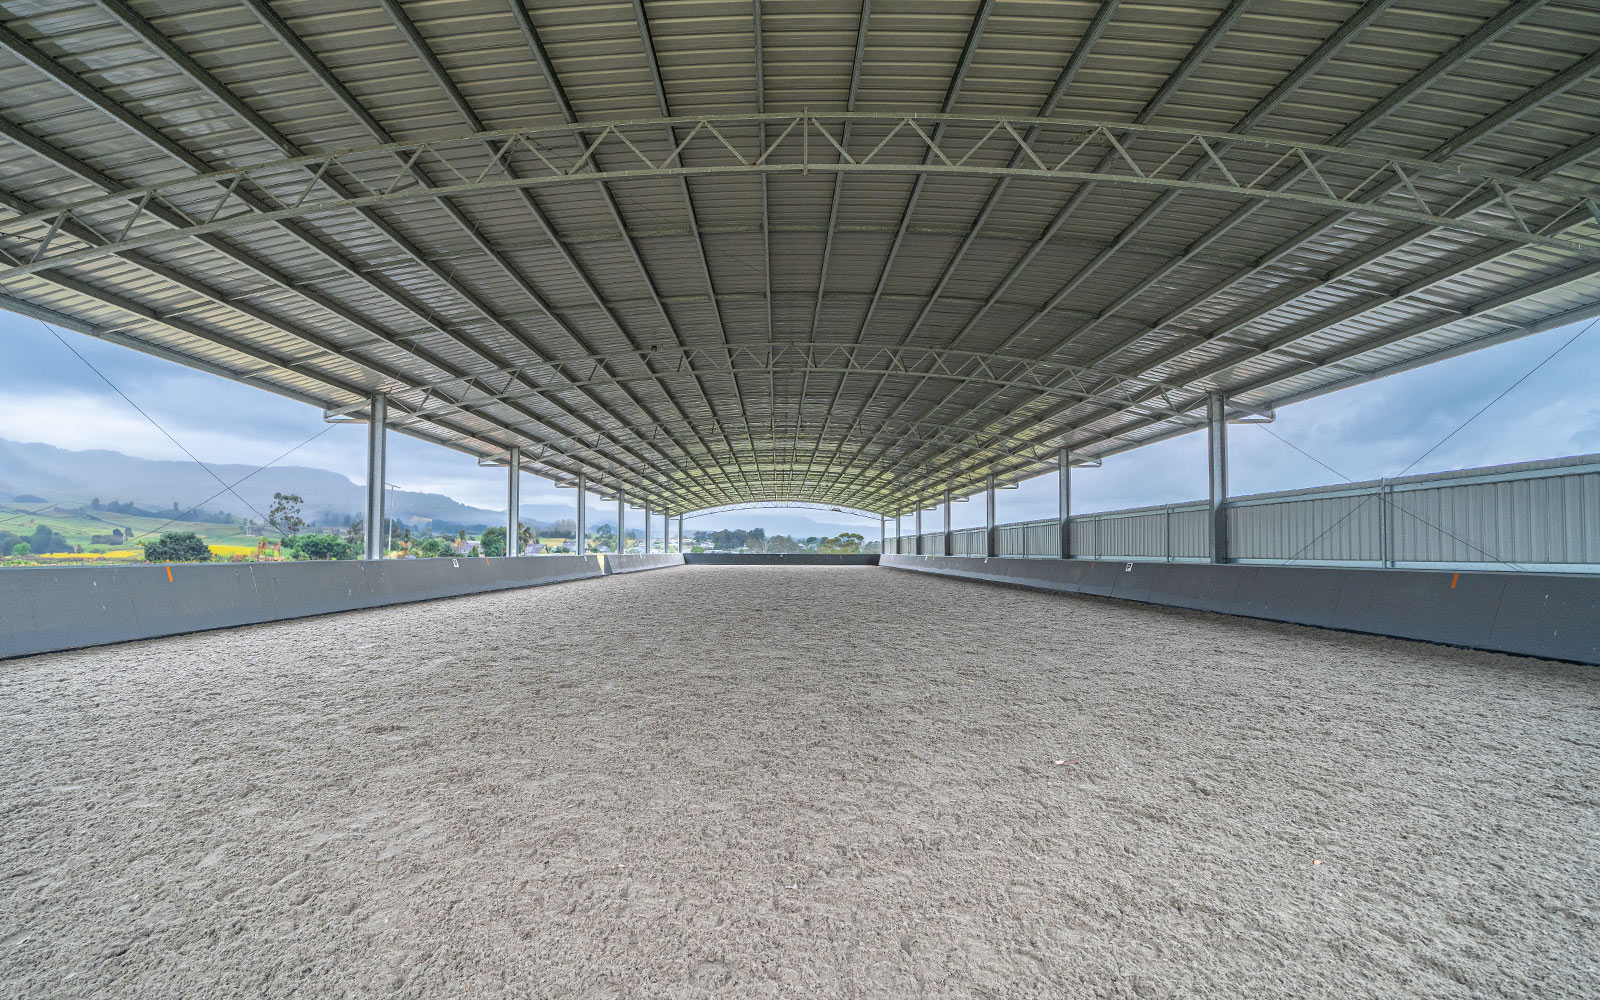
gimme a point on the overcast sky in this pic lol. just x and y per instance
(1366, 432)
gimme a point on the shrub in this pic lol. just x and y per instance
(177, 546)
(321, 547)
(22, 549)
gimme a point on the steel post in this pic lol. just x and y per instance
(991, 543)
(622, 517)
(1217, 465)
(647, 527)
(583, 513)
(514, 502)
(949, 537)
(883, 534)
(917, 546)
(376, 466)
(1064, 502)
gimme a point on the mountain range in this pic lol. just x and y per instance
(62, 476)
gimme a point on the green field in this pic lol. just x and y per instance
(79, 528)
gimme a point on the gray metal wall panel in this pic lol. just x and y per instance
(969, 542)
(1533, 614)
(1040, 539)
(1344, 529)
(640, 562)
(1540, 515)
(48, 609)
(1165, 532)
(780, 559)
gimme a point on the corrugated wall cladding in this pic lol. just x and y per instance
(1532, 515)
(968, 542)
(1346, 528)
(1028, 538)
(1167, 532)
(1537, 520)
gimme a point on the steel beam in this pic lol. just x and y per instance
(1197, 53)
(535, 42)
(1531, 199)
(229, 189)
(346, 99)
(1297, 170)
(1436, 69)
(647, 39)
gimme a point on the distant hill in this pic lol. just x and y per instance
(41, 470)
(81, 476)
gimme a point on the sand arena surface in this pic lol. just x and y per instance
(763, 782)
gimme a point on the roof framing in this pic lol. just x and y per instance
(727, 254)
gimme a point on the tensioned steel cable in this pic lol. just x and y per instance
(236, 482)
(1387, 500)
(30, 513)
(225, 487)
(1413, 464)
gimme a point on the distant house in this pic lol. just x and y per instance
(534, 549)
(465, 547)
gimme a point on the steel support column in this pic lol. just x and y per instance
(883, 534)
(917, 546)
(991, 546)
(377, 432)
(622, 517)
(647, 527)
(514, 502)
(1064, 502)
(680, 534)
(1217, 464)
(949, 538)
(583, 513)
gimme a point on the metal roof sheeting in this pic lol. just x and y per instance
(868, 337)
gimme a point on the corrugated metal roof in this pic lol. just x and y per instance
(470, 207)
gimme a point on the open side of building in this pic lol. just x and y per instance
(878, 256)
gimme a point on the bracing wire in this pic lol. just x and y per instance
(155, 423)
(1414, 462)
(229, 487)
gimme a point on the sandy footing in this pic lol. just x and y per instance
(796, 782)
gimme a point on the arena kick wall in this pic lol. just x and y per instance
(1556, 616)
(52, 609)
